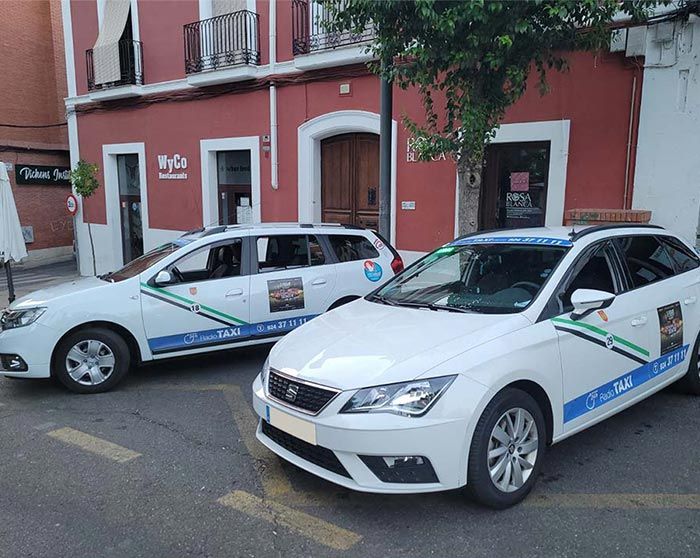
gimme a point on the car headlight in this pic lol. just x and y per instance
(265, 372)
(11, 319)
(411, 399)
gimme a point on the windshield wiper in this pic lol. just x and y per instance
(382, 300)
(426, 305)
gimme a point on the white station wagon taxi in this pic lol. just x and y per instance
(463, 368)
(210, 289)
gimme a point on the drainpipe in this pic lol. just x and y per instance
(385, 118)
(625, 201)
(274, 165)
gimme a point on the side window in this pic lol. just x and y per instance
(288, 251)
(646, 259)
(591, 272)
(210, 262)
(682, 257)
(349, 248)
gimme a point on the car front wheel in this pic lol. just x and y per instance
(507, 450)
(91, 360)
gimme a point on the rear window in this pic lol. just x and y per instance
(683, 258)
(348, 248)
(288, 251)
(646, 259)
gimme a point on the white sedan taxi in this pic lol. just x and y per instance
(464, 367)
(211, 289)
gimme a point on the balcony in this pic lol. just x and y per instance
(130, 69)
(222, 49)
(314, 46)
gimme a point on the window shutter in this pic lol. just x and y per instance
(105, 53)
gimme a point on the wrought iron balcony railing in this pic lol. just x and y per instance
(130, 66)
(222, 41)
(310, 29)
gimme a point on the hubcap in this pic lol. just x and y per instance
(90, 362)
(512, 450)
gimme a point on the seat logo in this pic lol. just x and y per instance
(291, 393)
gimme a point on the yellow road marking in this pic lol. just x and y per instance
(306, 525)
(615, 501)
(275, 482)
(94, 445)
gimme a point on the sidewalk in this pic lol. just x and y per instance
(35, 278)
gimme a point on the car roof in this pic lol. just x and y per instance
(250, 228)
(557, 236)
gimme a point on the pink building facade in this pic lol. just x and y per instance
(247, 110)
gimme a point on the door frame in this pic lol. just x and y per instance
(111, 180)
(309, 136)
(210, 180)
(556, 132)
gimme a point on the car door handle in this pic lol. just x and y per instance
(690, 300)
(640, 321)
(234, 292)
(318, 282)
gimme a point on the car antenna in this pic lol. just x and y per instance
(572, 234)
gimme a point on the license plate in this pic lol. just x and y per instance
(302, 429)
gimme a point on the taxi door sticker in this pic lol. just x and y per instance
(670, 327)
(286, 294)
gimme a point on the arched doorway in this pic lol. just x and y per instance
(350, 179)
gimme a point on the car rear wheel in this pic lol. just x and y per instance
(690, 383)
(507, 450)
(91, 360)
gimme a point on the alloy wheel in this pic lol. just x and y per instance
(512, 450)
(90, 362)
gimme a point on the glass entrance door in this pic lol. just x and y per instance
(234, 187)
(514, 188)
(130, 206)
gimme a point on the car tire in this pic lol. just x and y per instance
(91, 360)
(690, 383)
(504, 463)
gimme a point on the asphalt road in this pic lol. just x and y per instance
(166, 466)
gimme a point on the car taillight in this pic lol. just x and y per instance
(397, 264)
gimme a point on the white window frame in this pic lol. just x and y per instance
(112, 210)
(556, 132)
(208, 149)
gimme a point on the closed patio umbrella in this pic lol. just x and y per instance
(12, 246)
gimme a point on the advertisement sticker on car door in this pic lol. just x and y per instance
(670, 327)
(286, 294)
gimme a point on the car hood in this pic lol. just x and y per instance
(45, 296)
(366, 343)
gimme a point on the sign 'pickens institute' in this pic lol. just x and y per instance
(42, 174)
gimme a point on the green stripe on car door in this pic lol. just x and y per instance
(174, 296)
(602, 332)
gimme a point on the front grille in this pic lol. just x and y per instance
(323, 457)
(299, 395)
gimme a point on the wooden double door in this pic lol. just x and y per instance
(350, 179)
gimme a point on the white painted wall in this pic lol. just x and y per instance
(667, 172)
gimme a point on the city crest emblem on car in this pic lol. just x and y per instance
(291, 393)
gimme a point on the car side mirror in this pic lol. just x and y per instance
(586, 301)
(163, 278)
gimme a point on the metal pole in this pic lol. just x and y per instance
(385, 121)
(10, 283)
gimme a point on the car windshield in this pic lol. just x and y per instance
(142, 263)
(497, 278)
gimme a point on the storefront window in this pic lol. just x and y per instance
(514, 191)
(234, 187)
